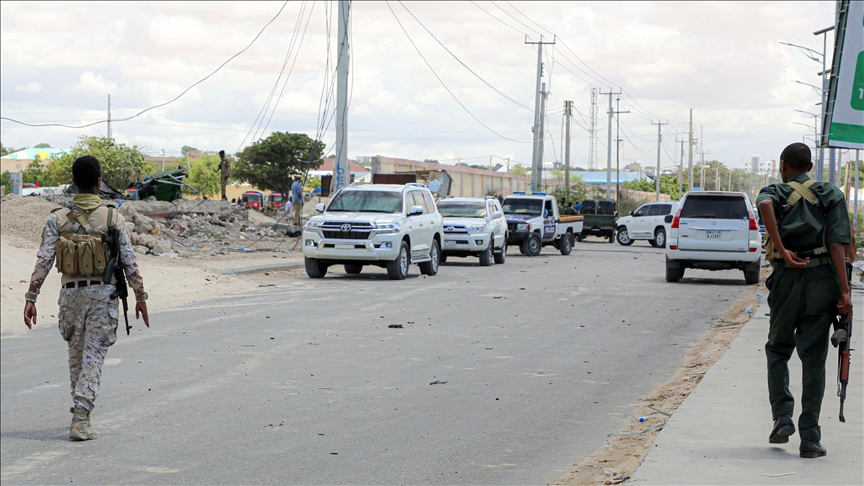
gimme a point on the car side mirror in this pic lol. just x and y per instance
(415, 210)
(319, 207)
(668, 219)
(497, 214)
(631, 213)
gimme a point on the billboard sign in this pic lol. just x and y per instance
(844, 121)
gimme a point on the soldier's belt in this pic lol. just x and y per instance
(814, 262)
(82, 283)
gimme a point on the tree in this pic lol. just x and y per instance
(431, 161)
(35, 172)
(206, 176)
(7, 150)
(42, 145)
(186, 149)
(313, 182)
(578, 189)
(121, 164)
(271, 162)
(6, 181)
(668, 185)
(519, 169)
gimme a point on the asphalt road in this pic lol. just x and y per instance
(533, 361)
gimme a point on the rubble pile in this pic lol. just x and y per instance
(22, 220)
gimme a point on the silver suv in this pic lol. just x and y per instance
(474, 226)
(714, 231)
(385, 225)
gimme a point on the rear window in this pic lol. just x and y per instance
(715, 207)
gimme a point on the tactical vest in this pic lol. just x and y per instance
(82, 254)
(801, 191)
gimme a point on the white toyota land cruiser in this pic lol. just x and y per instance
(474, 226)
(385, 225)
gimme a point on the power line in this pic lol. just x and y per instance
(496, 18)
(517, 20)
(162, 104)
(444, 84)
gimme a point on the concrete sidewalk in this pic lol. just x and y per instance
(719, 435)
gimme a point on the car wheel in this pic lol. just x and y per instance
(532, 245)
(443, 258)
(314, 267)
(431, 267)
(486, 256)
(624, 237)
(353, 268)
(660, 238)
(398, 268)
(501, 256)
(566, 244)
(580, 238)
(751, 272)
(674, 274)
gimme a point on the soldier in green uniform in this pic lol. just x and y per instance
(808, 224)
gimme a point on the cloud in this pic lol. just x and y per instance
(30, 87)
(91, 83)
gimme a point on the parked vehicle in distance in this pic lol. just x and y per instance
(385, 225)
(277, 199)
(598, 219)
(714, 231)
(474, 226)
(649, 222)
(255, 199)
(533, 222)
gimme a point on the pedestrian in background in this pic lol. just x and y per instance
(225, 172)
(88, 314)
(808, 225)
(297, 200)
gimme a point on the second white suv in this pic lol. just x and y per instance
(646, 223)
(714, 231)
(385, 225)
(474, 226)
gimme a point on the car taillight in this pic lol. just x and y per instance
(673, 247)
(676, 220)
(753, 225)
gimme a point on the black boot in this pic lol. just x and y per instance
(783, 428)
(811, 449)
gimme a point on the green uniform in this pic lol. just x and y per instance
(803, 300)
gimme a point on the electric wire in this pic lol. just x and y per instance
(161, 104)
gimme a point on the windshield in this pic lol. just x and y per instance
(462, 209)
(276, 198)
(367, 201)
(533, 207)
(715, 207)
(252, 197)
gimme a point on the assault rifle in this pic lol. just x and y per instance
(114, 268)
(841, 339)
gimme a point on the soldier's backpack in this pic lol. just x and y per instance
(801, 192)
(82, 254)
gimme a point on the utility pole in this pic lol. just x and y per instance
(681, 172)
(109, 117)
(618, 149)
(537, 155)
(832, 170)
(609, 146)
(657, 174)
(568, 106)
(163, 160)
(857, 188)
(717, 177)
(340, 167)
(690, 155)
(702, 168)
(592, 132)
(542, 138)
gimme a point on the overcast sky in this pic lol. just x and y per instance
(724, 60)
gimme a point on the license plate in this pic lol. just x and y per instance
(712, 235)
(448, 244)
(344, 247)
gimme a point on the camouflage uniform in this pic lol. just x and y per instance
(88, 315)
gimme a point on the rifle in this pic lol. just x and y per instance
(114, 268)
(841, 339)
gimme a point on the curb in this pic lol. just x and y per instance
(259, 268)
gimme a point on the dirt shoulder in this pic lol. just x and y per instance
(617, 459)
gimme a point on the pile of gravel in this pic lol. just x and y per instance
(22, 220)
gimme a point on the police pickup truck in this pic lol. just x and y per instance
(533, 222)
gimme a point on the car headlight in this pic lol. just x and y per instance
(386, 229)
(477, 228)
(313, 225)
(523, 227)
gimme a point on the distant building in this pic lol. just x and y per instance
(633, 167)
(18, 161)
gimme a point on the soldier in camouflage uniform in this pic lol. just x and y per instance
(808, 224)
(225, 172)
(88, 314)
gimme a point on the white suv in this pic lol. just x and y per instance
(649, 222)
(385, 225)
(474, 226)
(714, 231)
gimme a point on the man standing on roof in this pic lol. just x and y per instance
(808, 225)
(88, 307)
(297, 200)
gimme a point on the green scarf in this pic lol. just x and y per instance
(87, 202)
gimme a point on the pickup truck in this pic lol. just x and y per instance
(533, 222)
(599, 219)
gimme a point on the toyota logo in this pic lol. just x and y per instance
(449, 229)
(345, 227)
